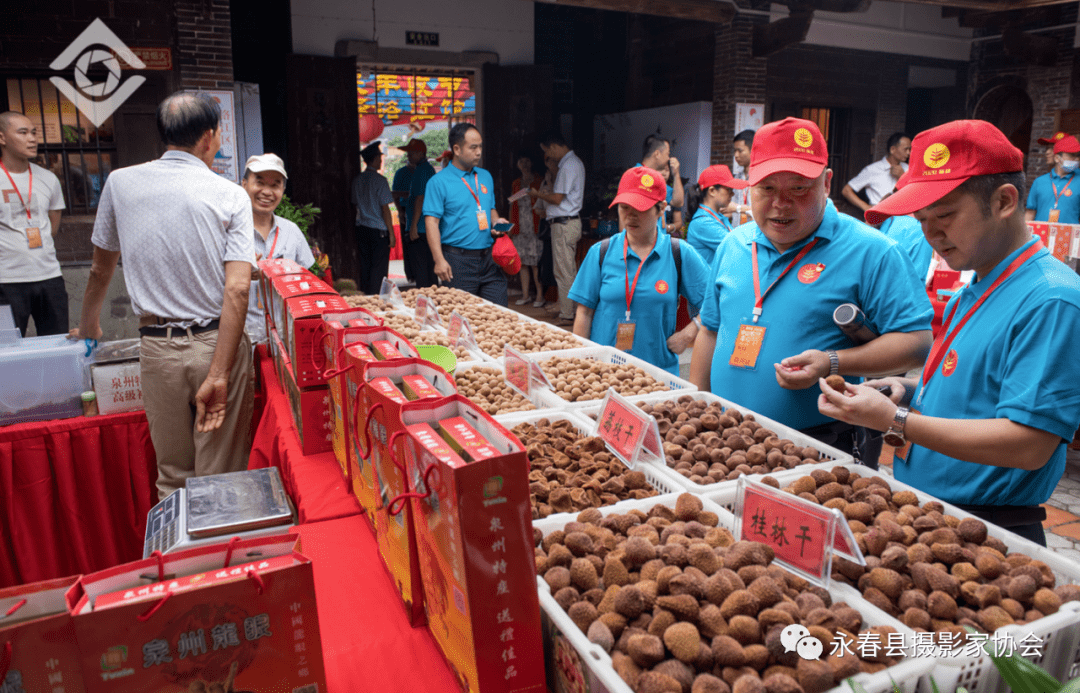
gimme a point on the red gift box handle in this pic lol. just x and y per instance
(160, 565)
(399, 501)
(393, 457)
(356, 411)
(148, 614)
(318, 343)
(229, 549)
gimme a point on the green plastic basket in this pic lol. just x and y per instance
(439, 355)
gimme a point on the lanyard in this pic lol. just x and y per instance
(719, 219)
(277, 235)
(942, 343)
(631, 288)
(757, 280)
(476, 179)
(1057, 195)
(29, 193)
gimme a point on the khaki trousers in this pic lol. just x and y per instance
(564, 240)
(173, 369)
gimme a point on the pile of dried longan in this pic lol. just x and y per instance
(935, 572)
(708, 444)
(440, 339)
(372, 303)
(571, 472)
(402, 324)
(577, 379)
(682, 606)
(487, 388)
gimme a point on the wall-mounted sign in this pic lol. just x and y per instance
(421, 38)
(155, 58)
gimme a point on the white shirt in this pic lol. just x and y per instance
(876, 179)
(287, 241)
(18, 261)
(176, 223)
(570, 182)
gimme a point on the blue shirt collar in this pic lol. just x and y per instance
(619, 239)
(826, 230)
(457, 171)
(1054, 175)
(978, 286)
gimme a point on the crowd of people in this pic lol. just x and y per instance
(766, 259)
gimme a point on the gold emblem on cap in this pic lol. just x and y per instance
(936, 155)
(1059, 136)
(647, 181)
(803, 138)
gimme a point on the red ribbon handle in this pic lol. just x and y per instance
(18, 605)
(316, 345)
(393, 457)
(148, 614)
(229, 550)
(399, 501)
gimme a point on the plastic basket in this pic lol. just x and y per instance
(613, 356)
(830, 456)
(439, 355)
(580, 665)
(1059, 633)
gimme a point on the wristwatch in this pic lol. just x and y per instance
(834, 361)
(894, 437)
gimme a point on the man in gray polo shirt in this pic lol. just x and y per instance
(186, 237)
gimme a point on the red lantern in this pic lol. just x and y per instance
(371, 126)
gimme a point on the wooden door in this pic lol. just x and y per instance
(516, 110)
(324, 151)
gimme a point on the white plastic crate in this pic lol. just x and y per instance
(1059, 633)
(830, 456)
(611, 355)
(577, 665)
(661, 482)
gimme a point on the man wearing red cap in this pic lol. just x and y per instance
(768, 330)
(1053, 197)
(985, 427)
(1049, 143)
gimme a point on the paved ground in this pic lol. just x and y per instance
(1063, 511)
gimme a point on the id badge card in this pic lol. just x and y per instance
(33, 237)
(1055, 214)
(748, 345)
(482, 220)
(624, 335)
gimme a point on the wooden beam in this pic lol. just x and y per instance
(991, 5)
(770, 38)
(713, 11)
(1031, 48)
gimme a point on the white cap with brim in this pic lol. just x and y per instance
(265, 162)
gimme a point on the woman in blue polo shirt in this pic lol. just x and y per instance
(629, 303)
(709, 225)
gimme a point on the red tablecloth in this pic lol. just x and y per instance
(314, 482)
(366, 639)
(74, 495)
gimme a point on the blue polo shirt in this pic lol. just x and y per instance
(656, 298)
(1041, 197)
(857, 265)
(705, 233)
(1014, 360)
(907, 232)
(418, 186)
(402, 179)
(448, 199)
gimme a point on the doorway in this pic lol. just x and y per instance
(1010, 109)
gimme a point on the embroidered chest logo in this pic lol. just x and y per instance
(661, 286)
(809, 273)
(949, 364)
(483, 188)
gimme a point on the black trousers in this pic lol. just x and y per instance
(854, 440)
(475, 272)
(1022, 520)
(374, 247)
(547, 258)
(45, 301)
(419, 264)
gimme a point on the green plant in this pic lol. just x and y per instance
(303, 216)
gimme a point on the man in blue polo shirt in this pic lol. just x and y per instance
(656, 154)
(1055, 196)
(768, 331)
(460, 219)
(997, 401)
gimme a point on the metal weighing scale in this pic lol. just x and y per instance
(247, 504)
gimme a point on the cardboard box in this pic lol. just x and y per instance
(465, 441)
(311, 414)
(424, 434)
(303, 328)
(289, 286)
(417, 387)
(118, 387)
(474, 543)
(384, 350)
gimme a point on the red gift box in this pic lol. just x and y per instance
(38, 650)
(303, 328)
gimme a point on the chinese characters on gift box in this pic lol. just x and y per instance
(193, 643)
(299, 640)
(504, 619)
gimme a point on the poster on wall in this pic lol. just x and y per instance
(225, 163)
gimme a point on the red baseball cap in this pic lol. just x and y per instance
(944, 157)
(792, 145)
(720, 175)
(415, 145)
(641, 188)
(1067, 145)
(1052, 140)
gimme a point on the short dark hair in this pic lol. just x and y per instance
(535, 161)
(553, 137)
(457, 134)
(894, 139)
(371, 151)
(982, 188)
(6, 117)
(746, 136)
(184, 117)
(653, 143)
